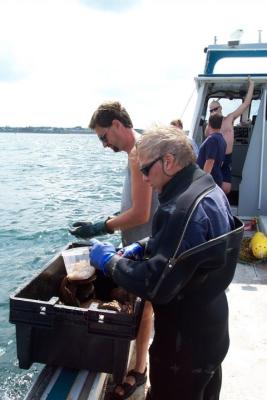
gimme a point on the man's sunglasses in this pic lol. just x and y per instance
(214, 109)
(146, 168)
(103, 138)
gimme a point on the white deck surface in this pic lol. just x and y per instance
(245, 366)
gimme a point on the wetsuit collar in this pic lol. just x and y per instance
(180, 182)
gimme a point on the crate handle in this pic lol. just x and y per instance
(43, 310)
(101, 318)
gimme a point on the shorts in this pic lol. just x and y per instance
(227, 168)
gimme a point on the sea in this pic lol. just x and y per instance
(47, 182)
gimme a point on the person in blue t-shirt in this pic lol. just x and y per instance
(212, 151)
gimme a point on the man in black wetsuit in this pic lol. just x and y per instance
(183, 269)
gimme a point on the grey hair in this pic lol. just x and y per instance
(160, 140)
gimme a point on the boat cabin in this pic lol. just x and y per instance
(249, 158)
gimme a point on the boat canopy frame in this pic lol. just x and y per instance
(217, 52)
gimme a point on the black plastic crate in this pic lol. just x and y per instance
(54, 334)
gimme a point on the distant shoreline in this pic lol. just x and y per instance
(49, 133)
(49, 130)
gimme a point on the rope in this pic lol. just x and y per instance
(188, 101)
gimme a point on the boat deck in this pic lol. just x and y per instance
(244, 369)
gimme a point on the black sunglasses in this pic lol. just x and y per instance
(146, 168)
(214, 109)
(103, 138)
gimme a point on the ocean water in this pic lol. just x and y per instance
(47, 181)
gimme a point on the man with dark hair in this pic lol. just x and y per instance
(183, 268)
(114, 129)
(212, 150)
(107, 112)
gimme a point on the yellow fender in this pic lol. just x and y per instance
(258, 245)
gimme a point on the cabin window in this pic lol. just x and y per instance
(254, 109)
(241, 65)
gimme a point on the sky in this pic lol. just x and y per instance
(59, 59)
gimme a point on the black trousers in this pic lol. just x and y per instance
(197, 385)
(189, 344)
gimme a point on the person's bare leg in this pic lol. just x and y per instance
(143, 337)
(141, 345)
(226, 187)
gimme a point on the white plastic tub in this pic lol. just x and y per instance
(77, 263)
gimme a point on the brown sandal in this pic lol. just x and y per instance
(128, 389)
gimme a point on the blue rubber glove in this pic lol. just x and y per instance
(134, 251)
(100, 253)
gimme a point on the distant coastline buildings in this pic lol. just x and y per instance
(44, 129)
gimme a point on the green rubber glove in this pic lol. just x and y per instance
(87, 230)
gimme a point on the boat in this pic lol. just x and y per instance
(248, 199)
